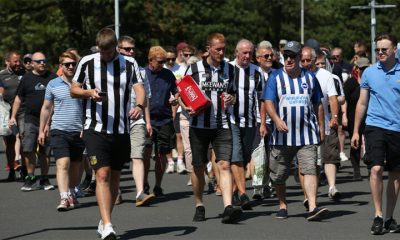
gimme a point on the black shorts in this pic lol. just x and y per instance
(177, 124)
(67, 144)
(330, 148)
(107, 150)
(163, 138)
(200, 139)
(382, 144)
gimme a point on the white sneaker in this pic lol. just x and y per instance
(343, 157)
(108, 232)
(333, 193)
(180, 168)
(189, 183)
(100, 228)
(170, 167)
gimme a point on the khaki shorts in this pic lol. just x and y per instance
(281, 158)
(139, 141)
(330, 148)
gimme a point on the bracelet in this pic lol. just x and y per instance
(140, 106)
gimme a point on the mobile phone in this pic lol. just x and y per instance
(102, 94)
(14, 129)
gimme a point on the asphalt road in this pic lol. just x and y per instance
(33, 215)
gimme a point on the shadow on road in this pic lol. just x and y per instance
(185, 230)
(50, 229)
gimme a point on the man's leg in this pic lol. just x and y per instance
(104, 193)
(159, 168)
(238, 175)
(310, 187)
(9, 142)
(392, 192)
(62, 176)
(198, 183)
(376, 185)
(225, 181)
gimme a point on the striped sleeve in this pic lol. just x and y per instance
(49, 94)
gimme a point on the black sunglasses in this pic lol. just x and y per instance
(27, 61)
(68, 64)
(188, 54)
(289, 55)
(161, 62)
(266, 56)
(171, 59)
(40, 61)
(383, 50)
(128, 49)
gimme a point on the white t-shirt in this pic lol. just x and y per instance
(325, 79)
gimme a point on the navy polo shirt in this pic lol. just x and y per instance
(162, 85)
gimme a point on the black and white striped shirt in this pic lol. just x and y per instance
(116, 78)
(213, 82)
(248, 83)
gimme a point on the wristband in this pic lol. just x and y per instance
(140, 106)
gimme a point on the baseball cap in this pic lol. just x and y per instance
(180, 46)
(362, 62)
(292, 46)
(28, 55)
(312, 43)
(282, 42)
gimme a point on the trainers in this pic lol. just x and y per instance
(306, 205)
(100, 228)
(200, 214)
(317, 214)
(231, 214)
(91, 189)
(189, 183)
(30, 184)
(268, 192)
(377, 226)
(64, 205)
(180, 168)
(17, 164)
(391, 226)
(108, 232)
(45, 184)
(146, 189)
(144, 199)
(245, 202)
(281, 213)
(257, 194)
(86, 182)
(78, 192)
(235, 199)
(343, 157)
(334, 194)
(73, 202)
(158, 192)
(7, 167)
(170, 167)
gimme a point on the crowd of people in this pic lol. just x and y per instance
(103, 111)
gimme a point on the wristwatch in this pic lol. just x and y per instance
(140, 106)
(335, 116)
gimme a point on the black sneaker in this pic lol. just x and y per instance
(22, 173)
(91, 189)
(45, 184)
(317, 214)
(200, 214)
(245, 202)
(306, 205)
(235, 199)
(391, 226)
(377, 226)
(30, 184)
(231, 214)
(86, 182)
(11, 176)
(158, 192)
(146, 188)
(282, 213)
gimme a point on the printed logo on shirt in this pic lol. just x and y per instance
(93, 160)
(213, 86)
(40, 87)
(304, 85)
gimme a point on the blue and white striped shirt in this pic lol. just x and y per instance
(294, 99)
(68, 112)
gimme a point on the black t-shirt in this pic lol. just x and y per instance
(31, 90)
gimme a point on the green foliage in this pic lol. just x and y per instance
(52, 26)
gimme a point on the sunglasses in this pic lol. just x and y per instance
(305, 60)
(161, 61)
(128, 49)
(383, 50)
(40, 61)
(266, 56)
(69, 64)
(26, 61)
(289, 55)
(188, 54)
(171, 59)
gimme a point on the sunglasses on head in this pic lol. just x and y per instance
(40, 61)
(128, 49)
(289, 55)
(171, 59)
(69, 64)
(383, 50)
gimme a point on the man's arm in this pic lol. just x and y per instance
(321, 120)
(45, 114)
(14, 111)
(280, 124)
(361, 108)
(78, 92)
(135, 112)
(263, 127)
(334, 105)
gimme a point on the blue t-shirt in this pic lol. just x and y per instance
(68, 111)
(384, 96)
(294, 100)
(162, 85)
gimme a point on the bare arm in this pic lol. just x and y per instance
(45, 115)
(14, 111)
(280, 124)
(78, 92)
(263, 127)
(136, 112)
(321, 120)
(333, 103)
(345, 121)
(147, 118)
(361, 108)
